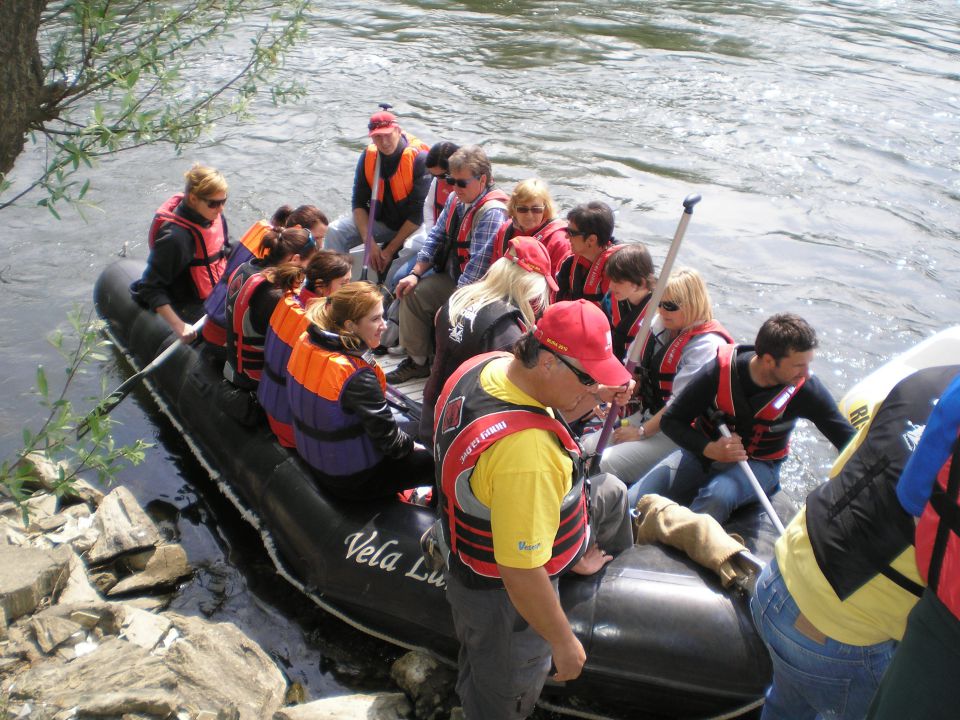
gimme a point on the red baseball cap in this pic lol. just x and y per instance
(382, 123)
(530, 254)
(579, 330)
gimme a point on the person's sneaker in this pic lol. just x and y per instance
(397, 350)
(408, 370)
(380, 350)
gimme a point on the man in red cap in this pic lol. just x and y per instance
(404, 182)
(513, 505)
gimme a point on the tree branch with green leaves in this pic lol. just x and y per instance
(96, 77)
(96, 453)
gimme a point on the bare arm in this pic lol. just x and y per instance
(533, 596)
(180, 328)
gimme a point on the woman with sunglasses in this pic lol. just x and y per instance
(533, 214)
(683, 338)
(343, 426)
(189, 245)
(252, 296)
(488, 315)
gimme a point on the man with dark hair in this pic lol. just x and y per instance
(513, 506)
(759, 392)
(457, 249)
(590, 229)
(403, 186)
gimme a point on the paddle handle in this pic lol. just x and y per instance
(106, 406)
(368, 237)
(633, 355)
(761, 495)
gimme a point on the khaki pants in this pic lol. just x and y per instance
(418, 309)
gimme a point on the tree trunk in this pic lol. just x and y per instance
(21, 74)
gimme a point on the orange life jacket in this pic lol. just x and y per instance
(402, 181)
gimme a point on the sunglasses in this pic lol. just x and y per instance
(380, 124)
(668, 305)
(214, 203)
(451, 180)
(573, 232)
(524, 209)
(583, 377)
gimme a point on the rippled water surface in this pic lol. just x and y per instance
(823, 137)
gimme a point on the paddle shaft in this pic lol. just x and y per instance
(761, 495)
(107, 405)
(633, 355)
(368, 237)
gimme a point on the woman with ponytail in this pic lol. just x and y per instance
(252, 296)
(326, 273)
(343, 426)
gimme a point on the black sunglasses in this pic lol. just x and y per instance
(215, 203)
(583, 377)
(573, 232)
(451, 180)
(668, 305)
(524, 209)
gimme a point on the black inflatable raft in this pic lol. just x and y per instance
(662, 637)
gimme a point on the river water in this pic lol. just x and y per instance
(823, 137)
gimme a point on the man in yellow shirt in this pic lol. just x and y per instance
(515, 509)
(833, 603)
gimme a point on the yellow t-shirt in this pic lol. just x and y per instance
(875, 613)
(523, 479)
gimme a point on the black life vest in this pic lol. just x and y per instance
(856, 524)
(467, 422)
(659, 364)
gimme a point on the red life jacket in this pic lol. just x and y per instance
(402, 181)
(662, 366)
(244, 343)
(209, 257)
(465, 230)
(596, 284)
(552, 235)
(764, 438)
(467, 423)
(938, 535)
(440, 196)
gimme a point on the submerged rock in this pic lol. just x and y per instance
(429, 683)
(167, 565)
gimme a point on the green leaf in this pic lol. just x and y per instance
(41, 381)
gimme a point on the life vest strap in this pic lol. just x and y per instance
(345, 433)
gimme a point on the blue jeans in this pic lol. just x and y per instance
(811, 679)
(716, 491)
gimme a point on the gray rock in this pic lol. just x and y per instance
(144, 628)
(27, 575)
(429, 683)
(211, 666)
(78, 588)
(381, 706)
(167, 565)
(124, 527)
(52, 631)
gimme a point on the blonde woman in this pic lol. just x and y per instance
(188, 242)
(343, 427)
(683, 338)
(488, 315)
(533, 214)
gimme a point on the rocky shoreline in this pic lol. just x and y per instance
(85, 581)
